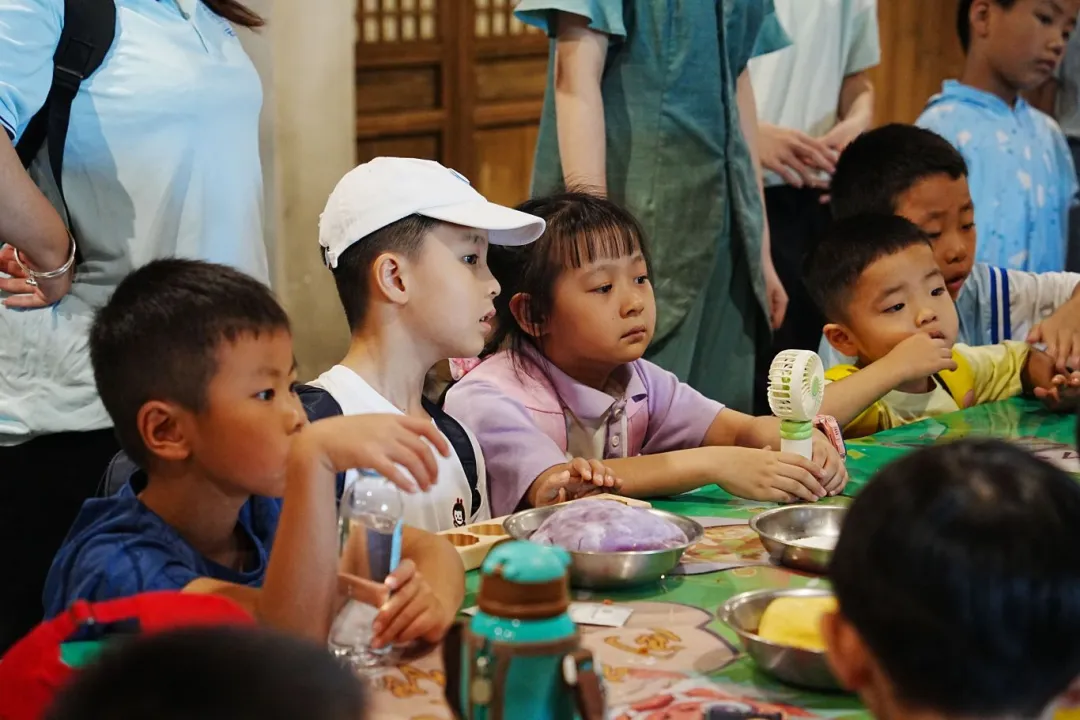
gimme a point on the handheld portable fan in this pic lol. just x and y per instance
(796, 389)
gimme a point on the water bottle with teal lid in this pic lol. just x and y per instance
(369, 530)
(520, 656)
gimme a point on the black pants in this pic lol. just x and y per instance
(797, 220)
(1072, 259)
(43, 484)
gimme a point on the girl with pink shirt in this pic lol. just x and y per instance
(563, 377)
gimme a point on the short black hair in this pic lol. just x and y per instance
(957, 565)
(581, 228)
(157, 337)
(854, 243)
(963, 20)
(224, 673)
(881, 165)
(353, 272)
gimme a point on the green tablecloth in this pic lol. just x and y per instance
(1018, 420)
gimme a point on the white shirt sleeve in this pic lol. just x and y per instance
(29, 32)
(1033, 297)
(864, 50)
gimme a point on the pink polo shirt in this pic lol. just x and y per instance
(522, 419)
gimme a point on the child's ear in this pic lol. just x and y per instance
(389, 277)
(841, 339)
(519, 308)
(846, 652)
(979, 18)
(163, 430)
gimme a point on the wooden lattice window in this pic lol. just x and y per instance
(399, 21)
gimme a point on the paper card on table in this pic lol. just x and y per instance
(711, 522)
(586, 613)
(599, 614)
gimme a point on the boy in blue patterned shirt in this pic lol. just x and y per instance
(1021, 172)
(917, 174)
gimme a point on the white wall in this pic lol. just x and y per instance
(305, 57)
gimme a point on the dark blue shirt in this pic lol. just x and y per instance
(119, 547)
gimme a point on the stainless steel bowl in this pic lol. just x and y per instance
(805, 668)
(782, 528)
(609, 570)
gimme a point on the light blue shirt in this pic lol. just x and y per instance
(1020, 172)
(162, 159)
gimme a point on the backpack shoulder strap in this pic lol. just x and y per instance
(463, 447)
(88, 33)
(319, 404)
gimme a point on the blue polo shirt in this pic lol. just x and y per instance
(119, 547)
(162, 160)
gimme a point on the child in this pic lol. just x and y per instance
(576, 316)
(407, 243)
(876, 280)
(236, 673)
(915, 173)
(958, 586)
(649, 102)
(194, 363)
(1022, 175)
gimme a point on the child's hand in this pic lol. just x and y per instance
(1061, 334)
(835, 472)
(920, 356)
(771, 476)
(577, 479)
(383, 443)
(1063, 395)
(408, 608)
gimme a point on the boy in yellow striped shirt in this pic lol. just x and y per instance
(876, 280)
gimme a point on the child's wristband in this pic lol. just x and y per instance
(831, 429)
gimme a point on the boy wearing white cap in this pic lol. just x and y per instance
(406, 241)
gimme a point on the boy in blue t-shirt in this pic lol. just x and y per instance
(1021, 170)
(194, 363)
(917, 174)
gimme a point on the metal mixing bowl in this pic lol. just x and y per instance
(805, 668)
(608, 570)
(781, 528)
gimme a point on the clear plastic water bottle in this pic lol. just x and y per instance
(369, 527)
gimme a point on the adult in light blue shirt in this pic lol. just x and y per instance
(1021, 175)
(162, 159)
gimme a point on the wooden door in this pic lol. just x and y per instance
(919, 49)
(458, 81)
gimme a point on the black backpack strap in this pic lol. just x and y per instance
(463, 447)
(121, 469)
(319, 405)
(88, 33)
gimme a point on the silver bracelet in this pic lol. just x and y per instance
(32, 276)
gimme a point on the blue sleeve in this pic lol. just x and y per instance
(104, 570)
(604, 16)
(29, 32)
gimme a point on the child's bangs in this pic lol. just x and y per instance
(585, 245)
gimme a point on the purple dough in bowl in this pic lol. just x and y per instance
(607, 526)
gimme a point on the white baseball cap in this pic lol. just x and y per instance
(387, 189)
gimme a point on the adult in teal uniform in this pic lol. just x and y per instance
(643, 103)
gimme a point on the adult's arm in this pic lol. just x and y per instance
(580, 53)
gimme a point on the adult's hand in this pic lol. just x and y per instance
(795, 156)
(25, 295)
(776, 294)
